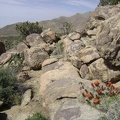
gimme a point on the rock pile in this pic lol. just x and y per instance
(88, 55)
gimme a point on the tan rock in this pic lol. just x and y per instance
(88, 54)
(34, 40)
(4, 58)
(21, 47)
(34, 57)
(74, 36)
(65, 70)
(49, 36)
(26, 97)
(98, 70)
(49, 61)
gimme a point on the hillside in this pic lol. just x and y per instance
(78, 20)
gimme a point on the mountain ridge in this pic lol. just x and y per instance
(78, 20)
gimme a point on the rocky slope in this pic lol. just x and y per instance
(68, 76)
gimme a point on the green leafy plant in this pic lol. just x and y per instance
(37, 116)
(8, 93)
(11, 41)
(27, 28)
(108, 2)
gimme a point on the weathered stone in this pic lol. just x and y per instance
(108, 43)
(26, 97)
(88, 54)
(98, 70)
(49, 36)
(84, 71)
(21, 47)
(76, 62)
(12, 51)
(63, 69)
(49, 61)
(2, 48)
(4, 58)
(34, 40)
(74, 36)
(73, 49)
(23, 76)
(34, 57)
(67, 41)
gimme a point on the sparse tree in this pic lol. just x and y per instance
(108, 2)
(27, 28)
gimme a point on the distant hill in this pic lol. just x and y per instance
(78, 21)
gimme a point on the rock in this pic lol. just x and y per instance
(34, 40)
(26, 97)
(4, 58)
(34, 57)
(108, 43)
(49, 36)
(12, 51)
(62, 69)
(23, 76)
(98, 70)
(2, 48)
(84, 71)
(74, 36)
(21, 47)
(76, 62)
(67, 41)
(73, 49)
(49, 61)
(88, 54)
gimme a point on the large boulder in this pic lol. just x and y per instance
(99, 70)
(2, 48)
(60, 88)
(49, 36)
(88, 54)
(21, 47)
(34, 40)
(108, 41)
(72, 53)
(34, 57)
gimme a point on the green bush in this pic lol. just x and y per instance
(27, 28)
(8, 93)
(59, 49)
(11, 41)
(108, 2)
(37, 116)
(66, 28)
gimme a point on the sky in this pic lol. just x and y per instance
(13, 11)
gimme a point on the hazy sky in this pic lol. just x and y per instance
(13, 11)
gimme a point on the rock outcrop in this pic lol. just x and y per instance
(61, 73)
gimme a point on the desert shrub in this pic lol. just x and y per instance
(37, 116)
(16, 62)
(66, 28)
(8, 93)
(108, 2)
(59, 49)
(27, 28)
(11, 41)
